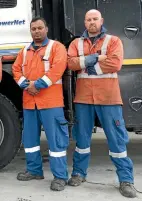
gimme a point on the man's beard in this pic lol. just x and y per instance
(93, 29)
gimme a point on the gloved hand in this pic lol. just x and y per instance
(91, 60)
(40, 84)
(24, 84)
(91, 70)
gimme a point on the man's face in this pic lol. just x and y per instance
(38, 31)
(93, 22)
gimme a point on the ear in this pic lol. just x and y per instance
(102, 21)
(47, 29)
(85, 23)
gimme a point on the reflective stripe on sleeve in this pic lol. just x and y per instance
(47, 80)
(21, 80)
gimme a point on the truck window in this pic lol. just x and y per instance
(8, 3)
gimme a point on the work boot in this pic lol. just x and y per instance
(127, 189)
(76, 180)
(26, 176)
(58, 184)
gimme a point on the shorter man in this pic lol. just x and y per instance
(38, 70)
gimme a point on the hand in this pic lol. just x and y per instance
(31, 89)
(91, 60)
(91, 70)
(102, 57)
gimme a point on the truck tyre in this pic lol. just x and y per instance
(10, 131)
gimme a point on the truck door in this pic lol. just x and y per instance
(123, 19)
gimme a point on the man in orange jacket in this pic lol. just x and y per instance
(97, 57)
(38, 70)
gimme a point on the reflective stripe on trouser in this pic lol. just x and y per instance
(56, 129)
(112, 122)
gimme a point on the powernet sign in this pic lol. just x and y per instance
(14, 22)
(15, 25)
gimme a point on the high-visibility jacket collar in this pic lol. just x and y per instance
(44, 43)
(101, 35)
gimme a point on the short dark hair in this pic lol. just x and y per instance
(38, 18)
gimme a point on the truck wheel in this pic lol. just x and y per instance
(10, 131)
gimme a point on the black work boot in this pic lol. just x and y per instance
(76, 180)
(58, 184)
(127, 189)
(26, 176)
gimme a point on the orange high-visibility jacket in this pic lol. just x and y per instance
(46, 64)
(102, 88)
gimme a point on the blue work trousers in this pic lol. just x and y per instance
(56, 130)
(112, 122)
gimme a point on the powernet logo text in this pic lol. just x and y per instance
(14, 22)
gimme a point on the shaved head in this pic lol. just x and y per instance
(93, 22)
(93, 11)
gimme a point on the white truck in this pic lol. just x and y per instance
(15, 17)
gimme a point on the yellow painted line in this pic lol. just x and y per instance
(11, 47)
(132, 61)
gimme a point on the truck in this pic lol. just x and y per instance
(65, 20)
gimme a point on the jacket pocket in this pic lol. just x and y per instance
(62, 133)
